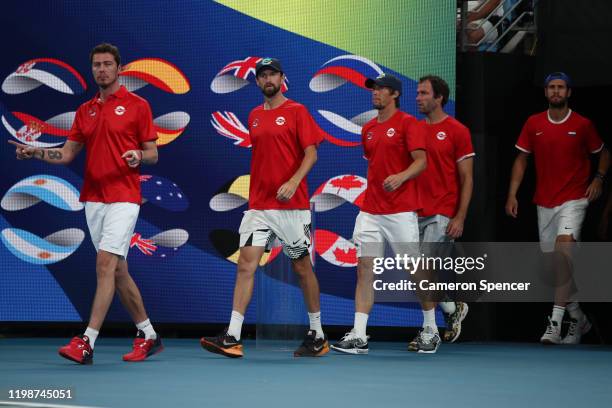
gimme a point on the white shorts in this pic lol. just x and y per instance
(433, 237)
(111, 225)
(433, 229)
(565, 219)
(291, 227)
(400, 231)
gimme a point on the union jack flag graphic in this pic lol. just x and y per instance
(146, 246)
(241, 68)
(228, 125)
(236, 74)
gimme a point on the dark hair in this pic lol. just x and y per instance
(397, 101)
(439, 86)
(103, 49)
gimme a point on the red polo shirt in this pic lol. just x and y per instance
(448, 143)
(279, 137)
(123, 122)
(561, 151)
(387, 147)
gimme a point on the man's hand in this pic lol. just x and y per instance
(287, 190)
(594, 190)
(133, 158)
(23, 152)
(393, 182)
(455, 227)
(512, 207)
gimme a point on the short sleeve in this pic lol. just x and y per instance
(364, 131)
(415, 135)
(76, 135)
(592, 139)
(307, 130)
(463, 144)
(524, 141)
(146, 129)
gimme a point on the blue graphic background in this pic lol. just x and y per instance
(199, 38)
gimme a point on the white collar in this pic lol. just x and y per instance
(569, 112)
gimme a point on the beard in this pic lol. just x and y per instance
(558, 105)
(270, 91)
(559, 102)
(105, 83)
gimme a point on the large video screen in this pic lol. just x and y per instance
(194, 63)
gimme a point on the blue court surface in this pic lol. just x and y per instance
(459, 375)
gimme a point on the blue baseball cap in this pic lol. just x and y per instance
(268, 63)
(388, 80)
(558, 75)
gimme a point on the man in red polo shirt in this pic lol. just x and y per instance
(285, 140)
(561, 141)
(446, 189)
(116, 128)
(394, 145)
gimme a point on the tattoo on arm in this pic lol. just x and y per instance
(55, 155)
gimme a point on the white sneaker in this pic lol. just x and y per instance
(552, 335)
(428, 340)
(577, 328)
(352, 344)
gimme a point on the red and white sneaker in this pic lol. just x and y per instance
(78, 350)
(144, 348)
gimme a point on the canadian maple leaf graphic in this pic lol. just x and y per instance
(347, 182)
(348, 256)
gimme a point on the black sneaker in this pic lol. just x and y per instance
(453, 322)
(352, 344)
(427, 341)
(223, 344)
(311, 346)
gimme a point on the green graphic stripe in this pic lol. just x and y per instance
(412, 37)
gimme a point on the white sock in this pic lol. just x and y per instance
(315, 323)
(429, 319)
(92, 334)
(557, 314)
(235, 326)
(147, 329)
(574, 310)
(361, 322)
(448, 307)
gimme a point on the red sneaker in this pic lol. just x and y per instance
(144, 348)
(78, 350)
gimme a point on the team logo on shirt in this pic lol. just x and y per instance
(441, 135)
(369, 135)
(280, 121)
(92, 112)
(255, 122)
(390, 132)
(119, 110)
